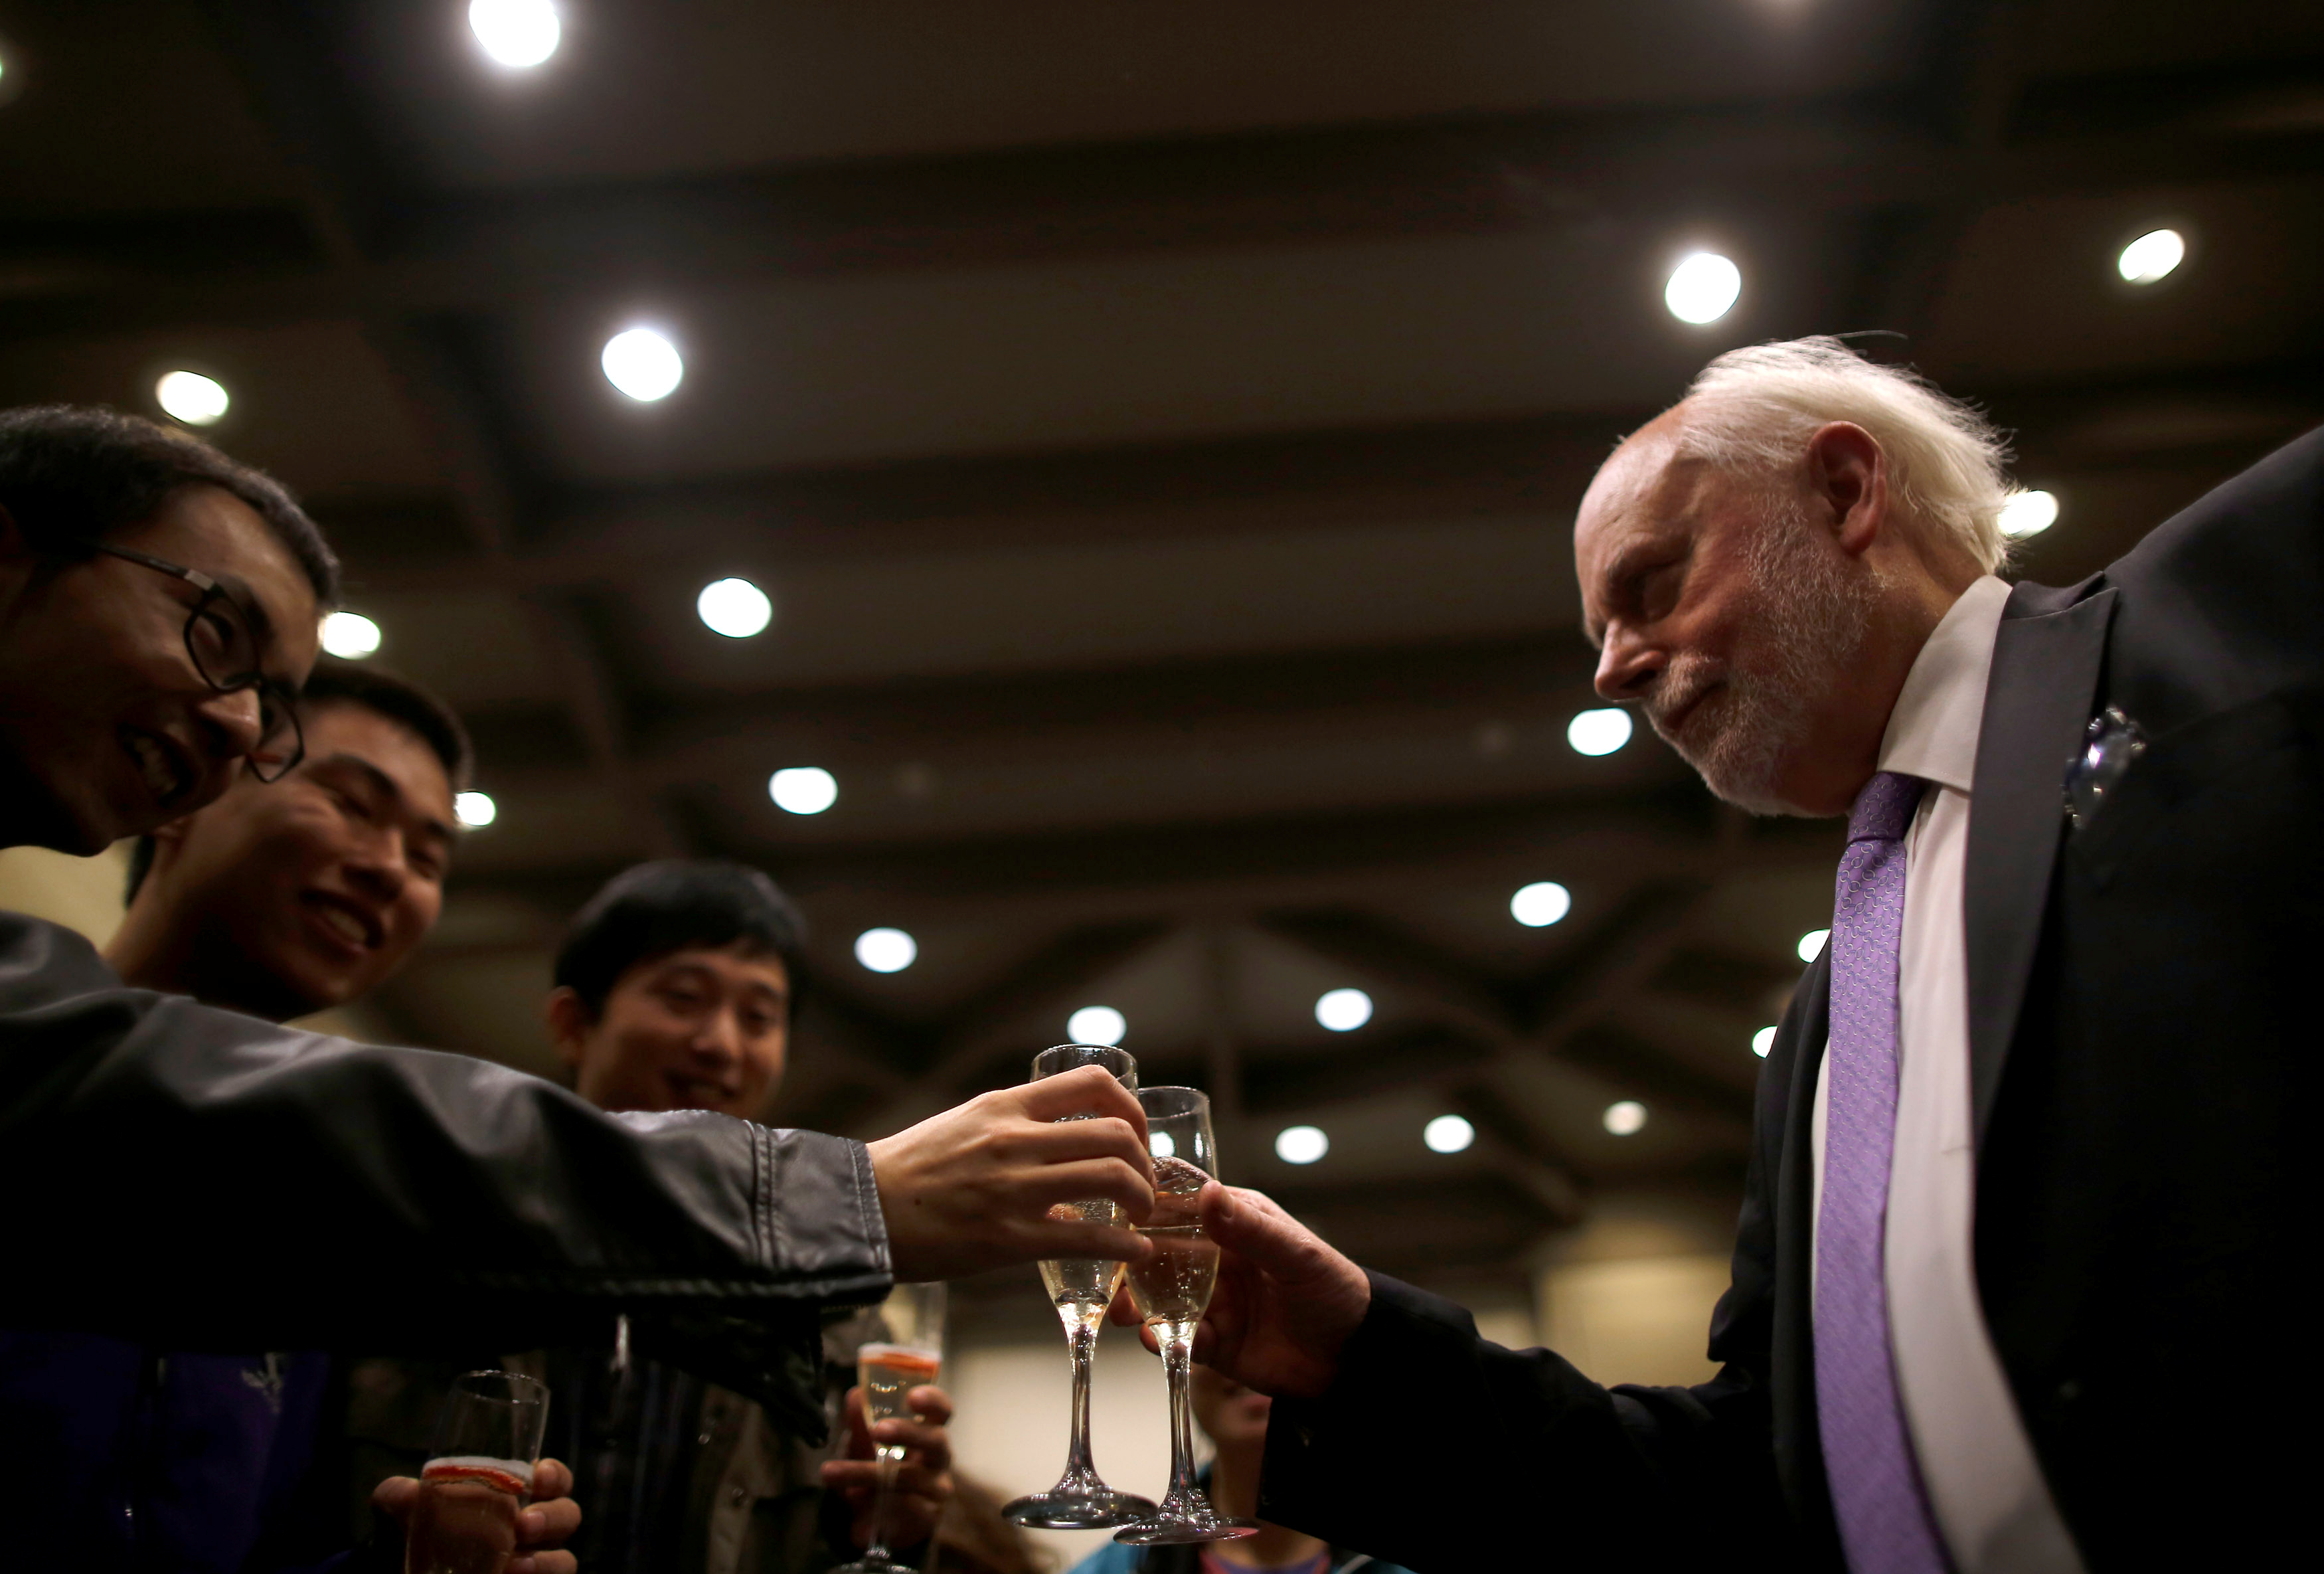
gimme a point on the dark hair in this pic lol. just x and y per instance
(675, 904)
(400, 700)
(73, 474)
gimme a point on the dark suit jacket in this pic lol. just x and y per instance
(2140, 1047)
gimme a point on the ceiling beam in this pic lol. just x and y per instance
(1459, 176)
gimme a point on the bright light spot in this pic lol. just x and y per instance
(1702, 287)
(2028, 514)
(803, 789)
(1343, 1010)
(886, 951)
(734, 608)
(1448, 1134)
(1301, 1145)
(1812, 944)
(643, 364)
(2152, 256)
(1097, 1024)
(1761, 1042)
(190, 397)
(1624, 1118)
(1599, 732)
(350, 635)
(1541, 904)
(1161, 1145)
(476, 809)
(516, 32)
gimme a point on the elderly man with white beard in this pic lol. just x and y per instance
(2028, 1144)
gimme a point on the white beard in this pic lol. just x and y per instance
(1811, 619)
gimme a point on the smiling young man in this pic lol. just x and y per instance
(277, 900)
(158, 612)
(285, 899)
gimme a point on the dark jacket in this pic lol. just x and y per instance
(190, 1179)
(2141, 1033)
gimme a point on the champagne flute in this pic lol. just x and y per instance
(888, 1369)
(478, 1475)
(1080, 1289)
(1171, 1289)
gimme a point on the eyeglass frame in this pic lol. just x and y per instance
(282, 696)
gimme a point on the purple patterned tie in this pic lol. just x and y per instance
(1876, 1495)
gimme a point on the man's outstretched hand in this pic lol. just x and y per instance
(1285, 1303)
(972, 1188)
(541, 1529)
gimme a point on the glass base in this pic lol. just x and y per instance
(1077, 1510)
(867, 1564)
(1180, 1532)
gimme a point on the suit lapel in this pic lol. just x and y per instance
(1799, 1443)
(2046, 658)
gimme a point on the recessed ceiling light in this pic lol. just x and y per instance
(1761, 1042)
(1702, 288)
(1448, 1134)
(1599, 732)
(476, 809)
(1343, 1010)
(1811, 944)
(803, 789)
(643, 364)
(1301, 1145)
(886, 951)
(1541, 904)
(1097, 1024)
(190, 397)
(2028, 514)
(1624, 1118)
(2152, 256)
(734, 608)
(516, 32)
(350, 636)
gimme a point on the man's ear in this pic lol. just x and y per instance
(569, 1023)
(1848, 473)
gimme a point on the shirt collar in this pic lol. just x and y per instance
(1933, 732)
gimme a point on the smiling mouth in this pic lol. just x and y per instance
(689, 1093)
(359, 931)
(163, 768)
(1671, 722)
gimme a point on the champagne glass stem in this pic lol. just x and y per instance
(882, 1504)
(1177, 1360)
(1081, 1340)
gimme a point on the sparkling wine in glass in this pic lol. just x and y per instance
(911, 1356)
(478, 1475)
(1171, 1289)
(1080, 1289)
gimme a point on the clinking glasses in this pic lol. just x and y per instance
(225, 651)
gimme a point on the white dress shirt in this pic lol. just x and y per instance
(1991, 1504)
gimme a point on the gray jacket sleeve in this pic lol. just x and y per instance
(178, 1173)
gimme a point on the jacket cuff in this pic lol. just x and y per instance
(817, 1214)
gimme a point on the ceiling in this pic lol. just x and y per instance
(1159, 430)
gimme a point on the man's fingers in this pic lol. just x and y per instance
(1249, 1223)
(910, 1435)
(1062, 1141)
(931, 1403)
(1087, 1180)
(548, 1524)
(544, 1563)
(551, 1479)
(394, 1497)
(1083, 1090)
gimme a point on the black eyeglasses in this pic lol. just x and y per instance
(225, 651)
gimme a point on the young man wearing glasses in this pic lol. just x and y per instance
(155, 1153)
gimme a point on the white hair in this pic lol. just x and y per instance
(1755, 407)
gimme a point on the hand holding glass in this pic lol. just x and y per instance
(1080, 1289)
(478, 1475)
(910, 1357)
